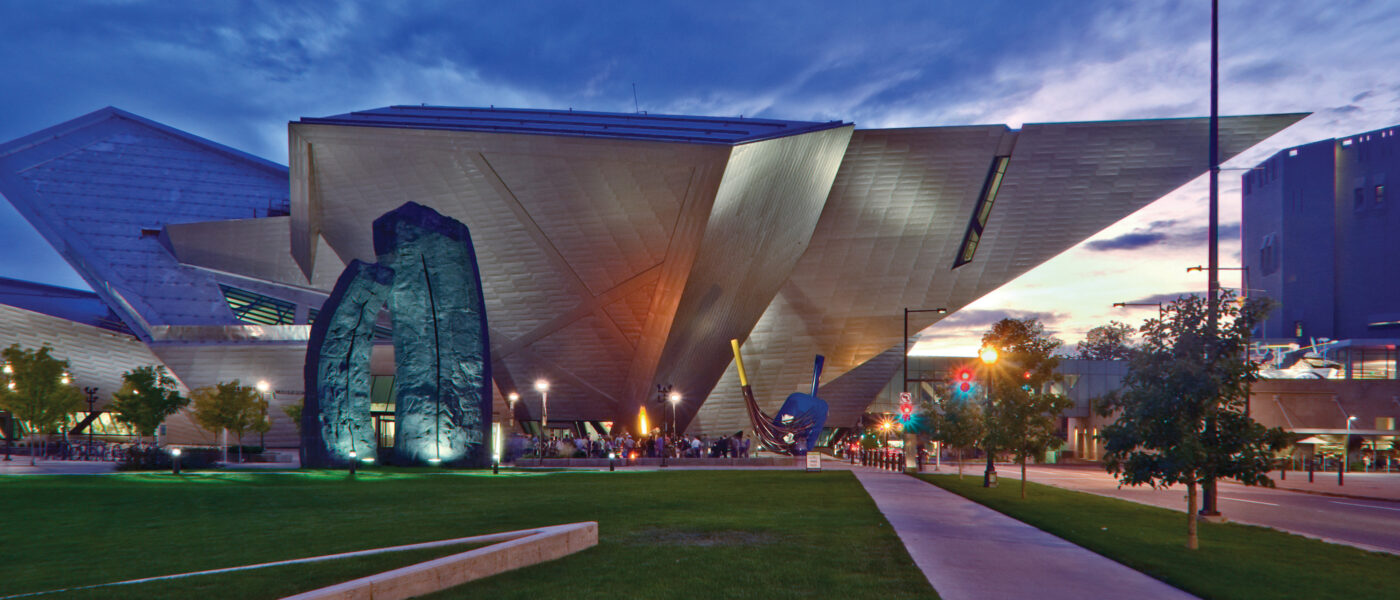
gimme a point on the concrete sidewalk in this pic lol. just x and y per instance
(968, 551)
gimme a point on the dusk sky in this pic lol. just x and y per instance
(236, 73)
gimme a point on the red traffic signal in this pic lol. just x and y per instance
(906, 409)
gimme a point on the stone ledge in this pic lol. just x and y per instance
(520, 549)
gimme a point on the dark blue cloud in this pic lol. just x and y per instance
(1168, 233)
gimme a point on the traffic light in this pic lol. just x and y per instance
(906, 411)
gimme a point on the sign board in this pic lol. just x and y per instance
(906, 397)
(814, 461)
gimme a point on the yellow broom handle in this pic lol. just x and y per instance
(739, 361)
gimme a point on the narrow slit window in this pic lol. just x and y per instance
(983, 211)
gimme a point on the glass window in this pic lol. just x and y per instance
(1380, 194)
(255, 308)
(982, 211)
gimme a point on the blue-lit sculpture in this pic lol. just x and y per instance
(796, 426)
(428, 277)
(335, 417)
(441, 352)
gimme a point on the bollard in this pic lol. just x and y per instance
(174, 461)
(611, 465)
(1310, 470)
(353, 460)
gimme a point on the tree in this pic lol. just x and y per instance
(1113, 341)
(293, 412)
(36, 390)
(1182, 405)
(1023, 415)
(954, 420)
(148, 396)
(262, 424)
(230, 406)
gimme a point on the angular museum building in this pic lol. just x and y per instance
(619, 253)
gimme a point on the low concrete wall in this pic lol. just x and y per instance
(530, 547)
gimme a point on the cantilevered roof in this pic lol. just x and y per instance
(79, 306)
(631, 126)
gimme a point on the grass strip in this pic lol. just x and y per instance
(708, 534)
(1234, 560)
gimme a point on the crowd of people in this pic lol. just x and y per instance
(653, 446)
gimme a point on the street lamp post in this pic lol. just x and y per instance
(92, 406)
(511, 399)
(263, 387)
(988, 356)
(542, 387)
(1161, 308)
(1346, 451)
(675, 399)
(9, 420)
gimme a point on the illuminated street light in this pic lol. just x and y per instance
(542, 387)
(511, 399)
(1346, 451)
(988, 355)
(263, 388)
(675, 399)
(65, 379)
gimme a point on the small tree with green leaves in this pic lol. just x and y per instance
(1023, 415)
(1182, 405)
(263, 423)
(293, 412)
(231, 406)
(36, 389)
(149, 395)
(954, 420)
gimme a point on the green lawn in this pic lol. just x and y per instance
(1234, 561)
(704, 534)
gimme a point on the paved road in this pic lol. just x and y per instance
(971, 552)
(1369, 524)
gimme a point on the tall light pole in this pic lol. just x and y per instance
(92, 421)
(941, 311)
(542, 387)
(1346, 451)
(511, 399)
(988, 356)
(263, 388)
(1208, 503)
(675, 399)
(9, 420)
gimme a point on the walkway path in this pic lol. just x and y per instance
(969, 551)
